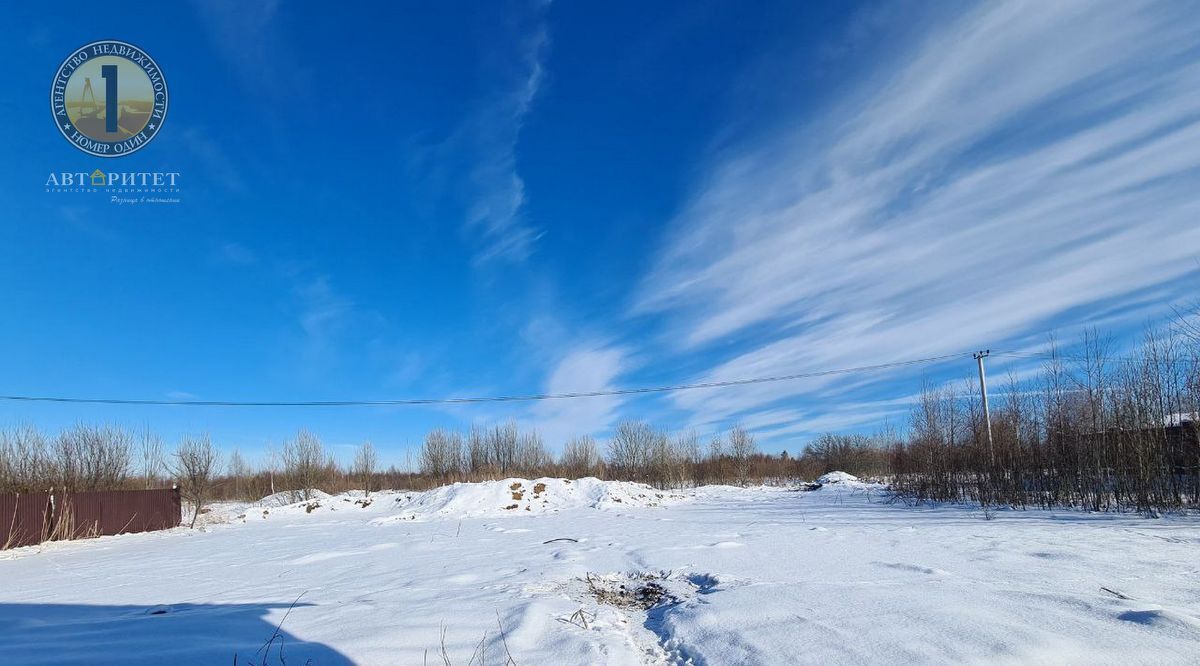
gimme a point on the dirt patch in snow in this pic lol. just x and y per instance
(641, 590)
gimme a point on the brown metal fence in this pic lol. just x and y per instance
(23, 519)
(31, 518)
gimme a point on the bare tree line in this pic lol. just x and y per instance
(88, 457)
(636, 451)
(80, 458)
(1094, 431)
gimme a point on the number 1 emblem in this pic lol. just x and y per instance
(135, 98)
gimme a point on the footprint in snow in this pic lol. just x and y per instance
(565, 556)
(914, 568)
(1045, 555)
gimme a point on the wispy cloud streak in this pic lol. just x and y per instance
(1021, 161)
(583, 368)
(496, 215)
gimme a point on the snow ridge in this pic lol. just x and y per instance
(517, 496)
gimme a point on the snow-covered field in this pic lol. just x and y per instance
(476, 573)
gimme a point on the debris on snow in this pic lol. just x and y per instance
(643, 590)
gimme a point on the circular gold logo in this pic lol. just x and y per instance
(109, 98)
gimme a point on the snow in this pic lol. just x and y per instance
(837, 477)
(527, 497)
(290, 497)
(714, 575)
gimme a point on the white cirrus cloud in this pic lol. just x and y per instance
(484, 148)
(1020, 161)
(583, 368)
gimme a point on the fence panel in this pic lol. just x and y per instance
(30, 519)
(23, 519)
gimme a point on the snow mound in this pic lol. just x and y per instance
(839, 481)
(837, 477)
(525, 497)
(287, 502)
(318, 502)
(289, 497)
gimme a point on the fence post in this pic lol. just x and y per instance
(178, 504)
(50, 519)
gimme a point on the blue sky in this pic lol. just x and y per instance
(445, 199)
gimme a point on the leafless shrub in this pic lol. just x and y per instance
(194, 468)
(502, 444)
(741, 448)
(715, 468)
(306, 465)
(239, 473)
(532, 458)
(151, 456)
(630, 450)
(365, 464)
(25, 464)
(671, 460)
(442, 454)
(91, 457)
(478, 457)
(581, 458)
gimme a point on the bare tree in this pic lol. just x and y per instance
(238, 470)
(676, 459)
(715, 469)
(581, 458)
(631, 448)
(1187, 322)
(503, 442)
(532, 457)
(273, 465)
(441, 455)
(194, 468)
(90, 457)
(151, 456)
(478, 457)
(741, 449)
(25, 463)
(305, 464)
(365, 464)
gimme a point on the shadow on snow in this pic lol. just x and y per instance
(169, 634)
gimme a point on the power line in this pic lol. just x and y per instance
(479, 399)
(1049, 355)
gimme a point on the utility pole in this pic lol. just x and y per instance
(987, 414)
